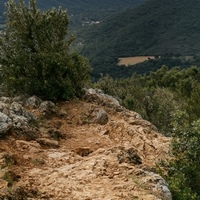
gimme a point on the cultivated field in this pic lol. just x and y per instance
(127, 61)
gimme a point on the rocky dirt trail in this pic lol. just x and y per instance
(88, 149)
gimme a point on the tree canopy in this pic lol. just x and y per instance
(35, 56)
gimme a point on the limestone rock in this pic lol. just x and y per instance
(20, 99)
(102, 117)
(4, 108)
(48, 108)
(157, 183)
(48, 142)
(5, 123)
(100, 98)
(17, 109)
(111, 156)
(5, 99)
(30, 147)
(13, 114)
(98, 177)
(33, 102)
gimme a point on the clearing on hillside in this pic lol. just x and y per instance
(127, 61)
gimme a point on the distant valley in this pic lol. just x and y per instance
(157, 27)
(80, 11)
(107, 31)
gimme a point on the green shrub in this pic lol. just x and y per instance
(35, 54)
(183, 171)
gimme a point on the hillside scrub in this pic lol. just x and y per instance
(35, 54)
(157, 95)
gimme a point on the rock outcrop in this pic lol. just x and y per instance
(91, 148)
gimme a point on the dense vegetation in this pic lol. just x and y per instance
(34, 53)
(83, 11)
(169, 98)
(147, 67)
(156, 27)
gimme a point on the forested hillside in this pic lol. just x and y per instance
(83, 11)
(156, 27)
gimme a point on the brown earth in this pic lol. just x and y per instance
(73, 157)
(127, 61)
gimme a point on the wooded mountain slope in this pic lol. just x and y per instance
(154, 28)
(80, 11)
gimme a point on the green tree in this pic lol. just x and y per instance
(35, 55)
(183, 171)
(163, 104)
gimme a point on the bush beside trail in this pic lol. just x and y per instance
(35, 56)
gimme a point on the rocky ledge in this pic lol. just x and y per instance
(85, 149)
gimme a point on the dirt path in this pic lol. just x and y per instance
(75, 158)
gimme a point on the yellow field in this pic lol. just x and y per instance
(127, 61)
